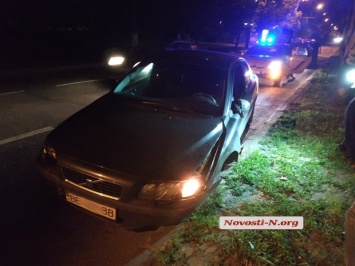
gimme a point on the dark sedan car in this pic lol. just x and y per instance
(152, 149)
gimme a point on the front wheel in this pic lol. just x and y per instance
(247, 127)
(251, 118)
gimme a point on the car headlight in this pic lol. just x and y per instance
(116, 60)
(350, 77)
(172, 190)
(275, 68)
(48, 153)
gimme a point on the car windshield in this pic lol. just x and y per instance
(182, 87)
(266, 51)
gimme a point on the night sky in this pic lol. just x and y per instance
(122, 16)
(110, 19)
(76, 29)
(69, 30)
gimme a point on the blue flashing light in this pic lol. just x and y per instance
(268, 40)
(264, 34)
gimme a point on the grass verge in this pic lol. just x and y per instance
(297, 171)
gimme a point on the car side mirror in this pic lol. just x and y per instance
(237, 108)
(240, 106)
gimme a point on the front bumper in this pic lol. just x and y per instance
(132, 212)
(266, 74)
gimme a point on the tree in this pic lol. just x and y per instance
(276, 12)
(226, 20)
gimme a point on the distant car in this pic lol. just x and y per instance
(278, 61)
(121, 60)
(151, 150)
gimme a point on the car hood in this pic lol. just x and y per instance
(260, 61)
(136, 140)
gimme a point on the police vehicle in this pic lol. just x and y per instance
(274, 57)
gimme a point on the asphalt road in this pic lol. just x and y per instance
(36, 226)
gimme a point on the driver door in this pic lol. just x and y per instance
(300, 59)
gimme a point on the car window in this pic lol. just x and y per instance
(134, 79)
(175, 82)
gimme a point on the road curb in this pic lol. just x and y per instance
(253, 138)
(145, 258)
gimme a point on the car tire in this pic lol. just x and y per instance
(247, 127)
(250, 118)
(230, 162)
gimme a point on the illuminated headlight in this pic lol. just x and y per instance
(350, 77)
(172, 191)
(275, 69)
(338, 39)
(48, 153)
(116, 60)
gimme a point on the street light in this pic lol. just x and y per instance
(320, 6)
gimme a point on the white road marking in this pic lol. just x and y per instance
(25, 135)
(74, 83)
(11, 92)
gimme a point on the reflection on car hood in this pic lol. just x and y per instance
(138, 141)
(259, 60)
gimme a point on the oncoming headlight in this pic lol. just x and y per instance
(350, 77)
(116, 60)
(172, 190)
(275, 68)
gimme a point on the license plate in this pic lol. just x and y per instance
(91, 206)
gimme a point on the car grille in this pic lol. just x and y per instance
(93, 184)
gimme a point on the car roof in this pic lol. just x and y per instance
(200, 57)
(276, 45)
